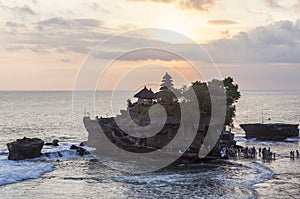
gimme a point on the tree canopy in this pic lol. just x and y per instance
(202, 92)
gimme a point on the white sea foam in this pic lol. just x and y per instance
(165, 179)
(249, 174)
(14, 171)
(293, 139)
(240, 139)
(63, 152)
(149, 179)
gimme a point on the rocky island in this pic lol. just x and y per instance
(142, 113)
(270, 131)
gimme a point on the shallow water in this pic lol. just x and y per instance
(49, 115)
(286, 180)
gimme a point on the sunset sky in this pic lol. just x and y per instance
(44, 43)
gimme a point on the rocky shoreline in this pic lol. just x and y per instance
(30, 148)
(144, 145)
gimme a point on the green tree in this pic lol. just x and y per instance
(202, 92)
(232, 96)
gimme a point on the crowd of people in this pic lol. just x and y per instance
(251, 152)
(229, 152)
(267, 154)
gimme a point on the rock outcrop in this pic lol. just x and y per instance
(53, 143)
(25, 148)
(170, 128)
(79, 150)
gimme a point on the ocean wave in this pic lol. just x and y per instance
(293, 139)
(240, 139)
(263, 172)
(212, 183)
(248, 173)
(63, 152)
(150, 179)
(15, 171)
(238, 172)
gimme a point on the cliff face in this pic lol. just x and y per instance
(125, 132)
(272, 131)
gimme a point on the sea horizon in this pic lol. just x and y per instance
(150, 99)
(49, 116)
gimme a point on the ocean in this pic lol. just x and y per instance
(63, 174)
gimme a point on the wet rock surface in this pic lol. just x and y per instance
(53, 143)
(25, 148)
(79, 150)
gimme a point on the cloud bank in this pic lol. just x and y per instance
(221, 22)
(278, 42)
(275, 43)
(58, 34)
(200, 5)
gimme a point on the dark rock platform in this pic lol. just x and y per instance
(25, 148)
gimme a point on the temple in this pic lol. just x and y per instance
(139, 116)
(146, 97)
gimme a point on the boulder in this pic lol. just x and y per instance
(73, 147)
(25, 148)
(53, 143)
(79, 150)
(82, 144)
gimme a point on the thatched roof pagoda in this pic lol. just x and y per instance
(145, 96)
(167, 82)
